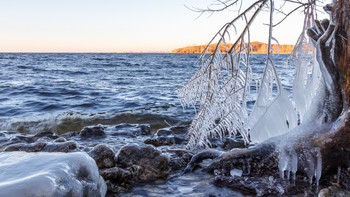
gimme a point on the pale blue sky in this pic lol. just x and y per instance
(115, 25)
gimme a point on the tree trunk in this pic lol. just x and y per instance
(335, 147)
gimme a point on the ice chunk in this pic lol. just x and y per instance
(236, 172)
(49, 174)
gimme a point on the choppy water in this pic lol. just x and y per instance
(64, 92)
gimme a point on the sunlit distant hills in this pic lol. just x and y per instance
(258, 47)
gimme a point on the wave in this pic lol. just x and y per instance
(75, 121)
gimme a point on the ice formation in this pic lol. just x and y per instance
(271, 115)
(49, 174)
(236, 172)
(219, 87)
(275, 111)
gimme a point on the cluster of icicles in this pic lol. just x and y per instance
(288, 164)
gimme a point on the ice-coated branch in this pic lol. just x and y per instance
(219, 87)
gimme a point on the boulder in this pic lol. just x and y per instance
(95, 131)
(49, 174)
(60, 147)
(103, 155)
(116, 175)
(33, 147)
(153, 164)
(178, 158)
(333, 191)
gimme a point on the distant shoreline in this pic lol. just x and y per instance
(258, 48)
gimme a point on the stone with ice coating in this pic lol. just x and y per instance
(49, 174)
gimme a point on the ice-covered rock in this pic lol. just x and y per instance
(49, 174)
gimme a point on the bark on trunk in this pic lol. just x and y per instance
(341, 16)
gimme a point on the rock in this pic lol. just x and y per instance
(263, 186)
(68, 135)
(168, 136)
(178, 158)
(103, 155)
(161, 141)
(333, 191)
(132, 130)
(60, 147)
(230, 143)
(49, 174)
(46, 134)
(61, 139)
(153, 163)
(42, 147)
(26, 147)
(116, 175)
(95, 131)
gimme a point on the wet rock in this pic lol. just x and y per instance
(178, 158)
(200, 156)
(153, 163)
(26, 147)
(116, 175)
(230, 143)
(333, 192)
(131, 130)
(60, 147)
(60, 139)
(264, 185)
(95, 131)
(161, 141)
(168, 136)
(251, 185)
(20, 139)
(69, 135)
(43, 136)
(103, 155)
(46, 134)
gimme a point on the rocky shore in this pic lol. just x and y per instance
(129, 155)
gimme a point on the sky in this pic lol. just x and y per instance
(120, 25)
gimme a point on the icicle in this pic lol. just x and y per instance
(310, 167)
(288, 175)
(338, 174)
(283, 160)
(294, 163)
(248, 167)
(318, 169)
